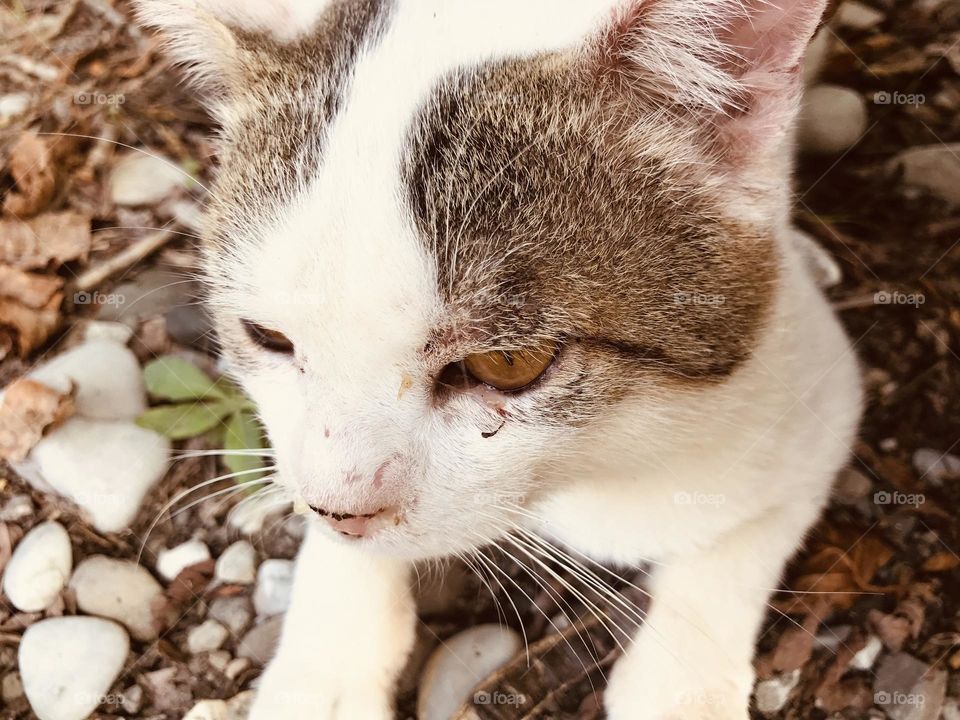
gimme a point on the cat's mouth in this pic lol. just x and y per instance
(356, 525)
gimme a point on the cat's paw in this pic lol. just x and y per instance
(290, 693)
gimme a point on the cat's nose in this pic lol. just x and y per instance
(353, 524)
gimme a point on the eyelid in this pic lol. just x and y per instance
(267, 338)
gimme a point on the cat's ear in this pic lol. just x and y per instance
(734, 64)
(203, 35)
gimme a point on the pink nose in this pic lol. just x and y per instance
(349, 524)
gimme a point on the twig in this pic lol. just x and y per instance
(95, 276)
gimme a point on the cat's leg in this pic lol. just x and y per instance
(346, 637)
(693, 659)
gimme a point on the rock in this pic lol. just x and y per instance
(173, 561)
(205, 637)
(235, 667)
(951, 709)
(108, 483)
(867, 656)
(851, 486)
(141, 179)
(39, 568)
(69, 663)
(907, 689)
(832, 120)
(934, 168)
(151, 294)
(16, 508)
(132, 699)
(239, 706)
(856, 16)
(119, 590)
(191, 326)
(208, 710)
(233, 612)
(237, 564)
(936, 466)
(11, 688)
(250, 515)
(274, 585)
(219, 659)
(772, 695)
(106, 375)
(109, 331)
(259, 644)
(13, 105)
(455, 668)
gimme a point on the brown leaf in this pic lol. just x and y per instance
(34, 173)
(49, 239)
(941, 562)
(25, 328)
(31, 289)
(29, 408)
(795, 646)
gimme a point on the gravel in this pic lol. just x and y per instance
(119, 590)
(39, 568)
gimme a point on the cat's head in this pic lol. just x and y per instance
(450, 239)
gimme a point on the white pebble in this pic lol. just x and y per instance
(857, 16)
(456, 667)
(39, 568)
(68, 664)
(832, 120)
(773, 694)
(109, 484)
(206, 637)
(172, 562)
(208, 710)
(17, 508)
(237, 564)
(141, 179)
(13, 105)
(119, 590)
(867, 656)
(274, 585)
(935, 168)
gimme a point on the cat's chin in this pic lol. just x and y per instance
(405, 544)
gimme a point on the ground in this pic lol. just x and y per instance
(79, 84)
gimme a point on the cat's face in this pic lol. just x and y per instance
(448, 241)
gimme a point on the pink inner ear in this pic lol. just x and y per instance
(770, 35)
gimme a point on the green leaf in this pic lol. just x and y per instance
(171, 378)
(243, 433)
(185, 420)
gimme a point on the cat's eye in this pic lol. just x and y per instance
(509, 370)
(272, 340)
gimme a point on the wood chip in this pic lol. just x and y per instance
(29, 408)
(49, 239)
(34, 173)
(23, 328)
(31, 289)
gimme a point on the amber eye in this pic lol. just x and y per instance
(510, 369)
(268, 339)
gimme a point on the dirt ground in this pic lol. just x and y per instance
(881, 567)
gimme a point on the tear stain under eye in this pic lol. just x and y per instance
(406, 382)
(491, 433)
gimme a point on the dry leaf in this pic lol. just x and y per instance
(941, 562)
(31, 289)
(34, 173)
(29, 408)
(51, 238)
(24, 328)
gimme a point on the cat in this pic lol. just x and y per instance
(522, 269)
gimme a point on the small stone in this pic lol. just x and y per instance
(69, 663)
(142, 179)
(851, 486)
(455, 668)
(235, 667)
(936, 466)
(219, 660)
(772, 694)
(934, 168)
(171, 562)
(898, 684)
(11, 688)
(152, 294)
(17, 508)
(833, 119)
(208, 635)
(274, 587)
(857, 16)
(109, 484)
(39, 568)
(951, 709)
(208, 710)
(867, 656)
(239, 706)
(233, 612)
(109, 331)
(132, 699)
(250, 516)
(260, 643)
(237, 564)
(119, 590)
